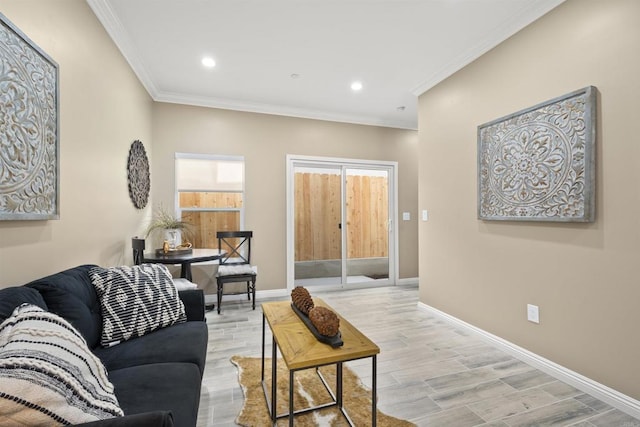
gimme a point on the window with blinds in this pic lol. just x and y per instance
(210, 195)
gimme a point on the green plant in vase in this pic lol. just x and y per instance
(174, 228)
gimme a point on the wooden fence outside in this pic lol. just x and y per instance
(317, 216)
(207, 224)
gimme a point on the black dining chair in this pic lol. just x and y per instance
(235, 266)
(138, 246)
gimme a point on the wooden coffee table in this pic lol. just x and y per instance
(301, 350)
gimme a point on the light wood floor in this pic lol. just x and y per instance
(429, 372)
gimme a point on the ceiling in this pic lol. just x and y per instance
(299, 57)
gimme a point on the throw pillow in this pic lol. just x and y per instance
(48, 375)
(135, 301)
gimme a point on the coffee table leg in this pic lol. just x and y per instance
(274, 379)
(291, 398)
(263, 332)
(374, 386)
(339, 384)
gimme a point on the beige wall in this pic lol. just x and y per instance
(265, 140)
(103, 109)
(584, 277)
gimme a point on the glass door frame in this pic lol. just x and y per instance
(294, 161)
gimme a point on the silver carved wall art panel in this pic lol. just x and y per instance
(29, 151)
(539, 164)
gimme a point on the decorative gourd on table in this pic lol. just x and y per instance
(326, 321)
(302, 299)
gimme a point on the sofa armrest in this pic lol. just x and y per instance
(146, 419)
(193, 300)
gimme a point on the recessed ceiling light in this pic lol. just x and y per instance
(401, 108)
(356, 86)
(295, 75)
(208, 62)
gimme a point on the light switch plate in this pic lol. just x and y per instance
(425, 215)
(533, 314)
(406, 216)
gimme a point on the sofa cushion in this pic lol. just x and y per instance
(171, 387)
(10, 298)
(70, 295)
(183, 342)
(135, 301)
(48, 375)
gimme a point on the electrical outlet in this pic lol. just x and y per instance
(533, 314)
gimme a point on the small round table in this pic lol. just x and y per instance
(185, 260)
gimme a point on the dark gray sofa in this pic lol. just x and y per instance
(156, 377)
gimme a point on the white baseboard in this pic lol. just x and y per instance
(606, 394)
(408, 281)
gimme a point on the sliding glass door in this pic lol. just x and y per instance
(341, 224)
(368, 224)
(318, 218)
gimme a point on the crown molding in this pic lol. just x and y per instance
(116, 31)
(118, 34)
(280, 110)
(517, 22)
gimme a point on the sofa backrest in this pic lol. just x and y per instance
(70, 294)
(10, 298)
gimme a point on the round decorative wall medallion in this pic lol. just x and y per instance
(138, 175)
